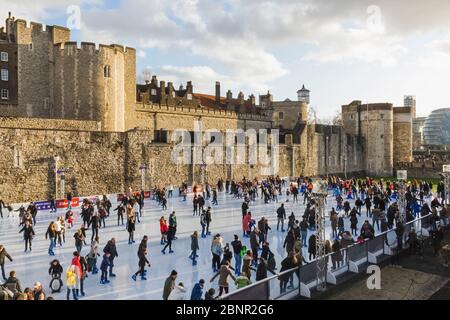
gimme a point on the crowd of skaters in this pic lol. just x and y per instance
(378, 198)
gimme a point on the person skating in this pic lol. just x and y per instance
(106, 263)
(51, 233)
(203, 223)
(55, 271)
(112, 250)
(194, 248)
(281, 216)
(92, 256)
(169, 284)
(3, 255)
(169, 241)
(164, 229)
(237, 247)
(95, 224)
(28, 234)
(242, 281)
(208, 218)
(217, 251)
(71, 282)
(142, 262)
(131, 227)
(178, 292)
(120, 211)
(254, 245)
(223, 275)
(197, 291)
(173, 225)
(79, 240)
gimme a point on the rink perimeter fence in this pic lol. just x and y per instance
(353, 260)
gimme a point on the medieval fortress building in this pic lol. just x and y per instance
(81, 103)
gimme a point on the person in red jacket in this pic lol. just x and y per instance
(164, 228)
(246, 225)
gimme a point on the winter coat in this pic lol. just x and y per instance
(242, 281)
(105, 263)
(261, 271)
(237, 246)
(94, 250)
(223, 274)
(178, 293)
(3, 255)
(111, 248)
(194, 243)
(169, 284)
(28, 232)
(216, 247)
(197, 292)
(254, 240)
(246, 223)
(13, 284)
(287, 264)
(71, 278)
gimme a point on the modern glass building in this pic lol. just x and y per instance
(436, 130)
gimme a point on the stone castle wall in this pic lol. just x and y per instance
(403, 143)
(49, 124)
(81, 89)
(99, 162)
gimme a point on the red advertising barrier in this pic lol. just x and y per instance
(63, 204)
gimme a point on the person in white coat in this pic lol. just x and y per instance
(178, 292)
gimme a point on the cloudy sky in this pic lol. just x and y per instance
(344, 50)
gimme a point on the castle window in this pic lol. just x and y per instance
(381, 115)
(263, 104)
(4, 75)
(4, 95)
(4, 56)
(46, 103)
(189, 96)
(153, 92)
(30, 47)
(351, 117)
(281, 115)
(107, 72)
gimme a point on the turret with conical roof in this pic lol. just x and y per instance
(303, 95)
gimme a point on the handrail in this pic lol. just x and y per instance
(298, 269)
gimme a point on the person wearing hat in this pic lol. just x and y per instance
(38, 292)
(169, 284)
(197, 291)
(178, 292)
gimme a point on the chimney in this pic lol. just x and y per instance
(241, 97)
(189, 87)
(229, 95)
(253, 99)
(217, 94)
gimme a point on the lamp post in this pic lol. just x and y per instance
(319, 195)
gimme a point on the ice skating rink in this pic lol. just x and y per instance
(226, 220)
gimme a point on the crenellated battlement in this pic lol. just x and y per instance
(93, 48)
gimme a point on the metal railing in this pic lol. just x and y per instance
(301, 281)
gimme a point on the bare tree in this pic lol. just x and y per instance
(145, 76)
